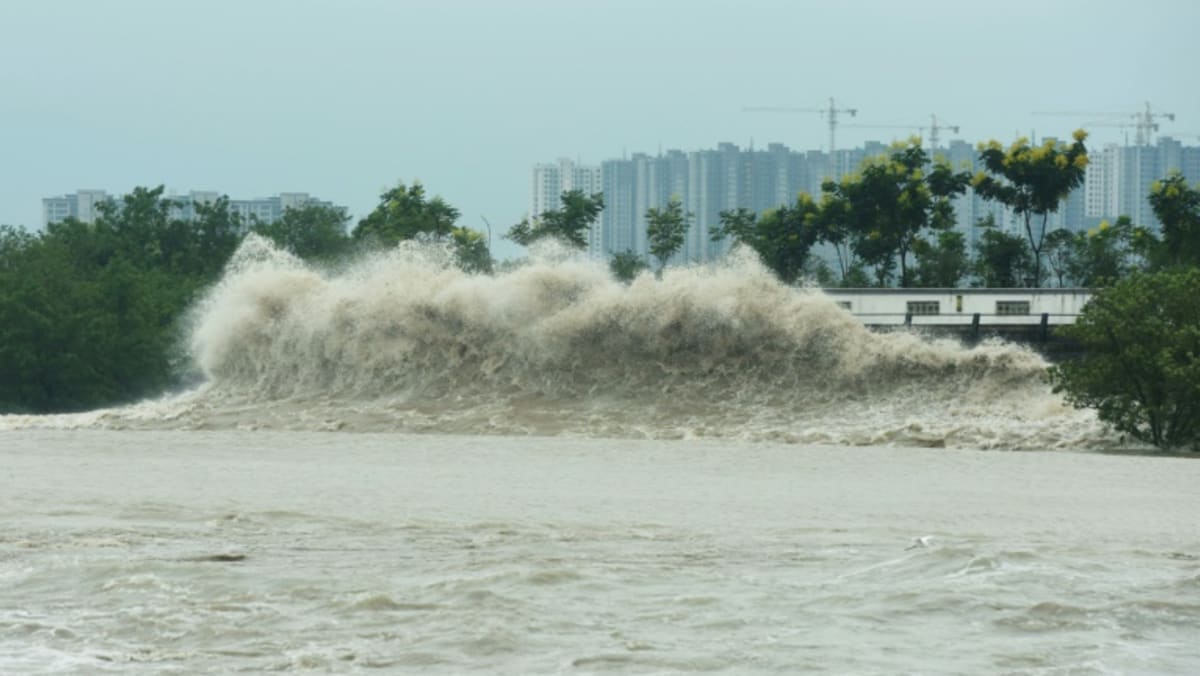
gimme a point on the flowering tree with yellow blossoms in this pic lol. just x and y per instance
(891, 203)
(1032, 181)
(1177, 206)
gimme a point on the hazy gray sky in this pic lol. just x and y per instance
(341, 99)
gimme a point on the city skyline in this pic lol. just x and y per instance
(83, 205)
(1116, 184)
(348, 99)
(708, 181)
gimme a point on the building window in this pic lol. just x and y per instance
(923, 307)
(1012, 307)
(844, 304)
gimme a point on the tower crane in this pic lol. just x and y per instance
(1144, 121)
(830, 114)
(935, 125)
(1122, 125)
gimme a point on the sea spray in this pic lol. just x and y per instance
(403, 340)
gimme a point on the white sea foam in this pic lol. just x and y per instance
(403, 340)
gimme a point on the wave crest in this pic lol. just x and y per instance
(403, 340)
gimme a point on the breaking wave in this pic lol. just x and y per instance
(404, 341)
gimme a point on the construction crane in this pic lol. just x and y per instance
(935, 125)
(1144, 121)
(831, 114)
(1123, 126)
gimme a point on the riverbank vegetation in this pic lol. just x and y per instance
(91, 313)
(1140, 367)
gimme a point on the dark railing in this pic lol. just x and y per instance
(974, 323)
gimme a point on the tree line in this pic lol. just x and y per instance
(90, 312)
(892, 223)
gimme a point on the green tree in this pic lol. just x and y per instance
(471, 251)
(405, 213)
(89, 312)
(1059, 253)
(1140, 367)
(944, 262)
(665, 230)
(892, 201)
(76, 336)
(782, 237)
(626, 265)
(819, 272)
(569, 223)
(147, 230)
(829, 220)
(1103, 254)
(1032, 181)
(1177, 207)
(1001, 259)
(311, 232)
(737, 224)
(138, 228)
(14, 241)
(856, 277)
(216, 233)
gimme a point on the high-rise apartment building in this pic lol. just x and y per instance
(727, 177)
(1100, 195)
(1119, 178)
(82, 205)
(551, 180)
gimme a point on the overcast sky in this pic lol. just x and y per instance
(342, 99)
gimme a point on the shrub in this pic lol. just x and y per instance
(1141, 363)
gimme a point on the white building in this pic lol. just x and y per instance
(1119, 178)
(1100, 198)
(270, 209)
(959, 307)
(83, 205)
(551, 180)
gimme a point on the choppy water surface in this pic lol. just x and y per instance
(211, 552)
(711, 472)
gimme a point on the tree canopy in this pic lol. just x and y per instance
(1177, 206)
(943, 262)
(626, 265)
(1140, 367)
(88, 311)
(471, 250)
(892, 200)
(312, 232)
(569, 223)
(1032, 181)
(405, 213)
(782, 237)
(665, 229)
(1001, 259)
